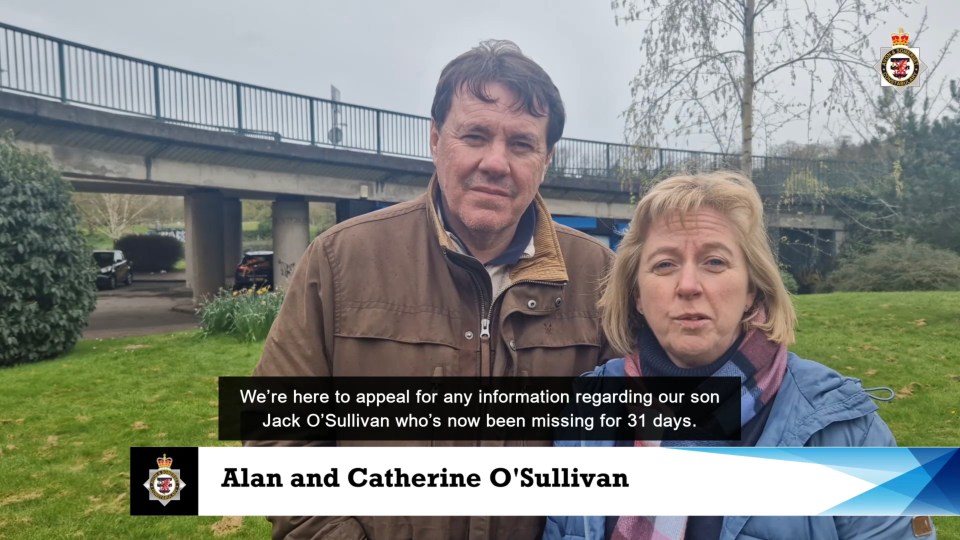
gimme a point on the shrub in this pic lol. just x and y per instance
(47, 278)
(789, 281)
(899, 266)
(258, 230)
(246, 314)
(150, 252)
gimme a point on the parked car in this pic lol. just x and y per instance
(113, 268)
(255, 271)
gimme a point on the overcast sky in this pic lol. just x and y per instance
(389, 53)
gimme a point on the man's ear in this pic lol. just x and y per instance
(434, 137)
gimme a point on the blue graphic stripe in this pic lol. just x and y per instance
(909, 481)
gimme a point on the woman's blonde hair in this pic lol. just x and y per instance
(735, 197)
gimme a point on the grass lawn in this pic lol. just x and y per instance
(66, 425)
(909, 342)
(99, 240)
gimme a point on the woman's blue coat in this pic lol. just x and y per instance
(815, 406)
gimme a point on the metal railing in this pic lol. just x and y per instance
(48, 67)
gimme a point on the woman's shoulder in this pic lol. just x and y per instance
(821, 385)
(611, 368)
(810, 367)
(816, 406)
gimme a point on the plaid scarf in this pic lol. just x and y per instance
(760, 364)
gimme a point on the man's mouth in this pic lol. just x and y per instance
(492, 191)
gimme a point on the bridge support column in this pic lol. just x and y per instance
(205, 229)
(232, 237)
(291, 234)
(838, 238)
(190, 264)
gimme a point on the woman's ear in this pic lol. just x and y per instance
(751, 298)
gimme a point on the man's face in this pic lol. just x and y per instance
(490, 160)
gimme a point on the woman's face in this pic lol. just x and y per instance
(694, 286)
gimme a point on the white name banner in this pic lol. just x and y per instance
(571, 481)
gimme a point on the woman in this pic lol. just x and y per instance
(695, 291)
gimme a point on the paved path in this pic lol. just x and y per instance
(146, 307)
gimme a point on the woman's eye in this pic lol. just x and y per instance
(663, 267)
(714, 263)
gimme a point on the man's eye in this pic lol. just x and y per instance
(473, 137)
(521, 145)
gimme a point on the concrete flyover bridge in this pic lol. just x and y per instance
(113, 123)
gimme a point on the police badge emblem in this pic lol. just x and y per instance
(900, 65)
(164, 483)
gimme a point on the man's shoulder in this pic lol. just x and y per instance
(576, 243)
(579, 239)
(382, 219)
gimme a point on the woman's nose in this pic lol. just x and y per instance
(689, 281)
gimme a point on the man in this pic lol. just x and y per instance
(470, 279)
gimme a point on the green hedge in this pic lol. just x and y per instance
(899, 266)
(47, 273)
(150, 252)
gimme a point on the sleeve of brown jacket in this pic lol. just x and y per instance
(300, 344)
(607, 352)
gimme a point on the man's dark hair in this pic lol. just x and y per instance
(501, 61)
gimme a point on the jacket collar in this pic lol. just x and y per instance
(547, 262)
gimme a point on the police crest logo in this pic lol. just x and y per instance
(164, 483)
(900, 65)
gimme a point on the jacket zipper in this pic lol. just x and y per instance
(485, 367)
(486, 315)
(485, 322)
(485, 364)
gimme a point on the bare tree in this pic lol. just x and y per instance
(164, 211)
(716, 66)
(113, 213)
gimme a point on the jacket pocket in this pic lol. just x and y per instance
(406, 324)
(388, 340)
(556, 347)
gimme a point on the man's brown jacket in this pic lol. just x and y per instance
(387, 294)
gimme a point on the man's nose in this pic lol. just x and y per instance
(495, 160)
